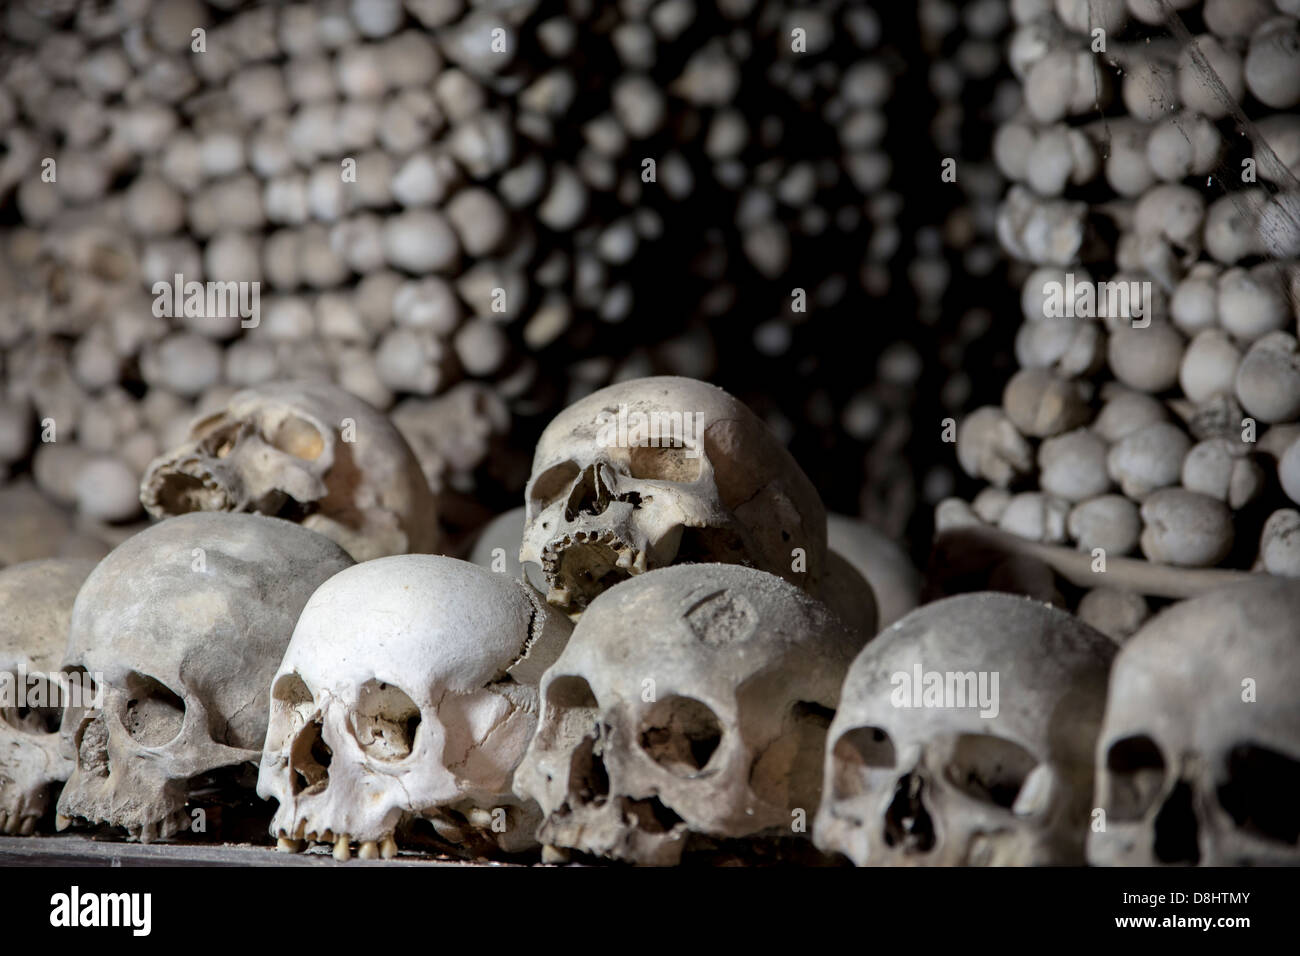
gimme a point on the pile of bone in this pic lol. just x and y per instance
(702, 679)
(428, 193)
(1169, 430)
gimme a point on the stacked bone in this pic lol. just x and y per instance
(1167, 431)
(447, 208)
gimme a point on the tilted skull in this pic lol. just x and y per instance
(965, 737)
(660, 471)
(185, 623)
(36, 598)
(689, 708)
(409, 690)
(308, 452)
(1199, 755)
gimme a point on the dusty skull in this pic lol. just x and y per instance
(690, 703)
(185, 623)
(931, 762)
(37, 600)
(409, 689)
(308, 452)
(660, 471)
(1199, 755)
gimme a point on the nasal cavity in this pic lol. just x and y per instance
(1176, 828)
(588, 779)
(309, 761)
(907, 823)
(590, 494)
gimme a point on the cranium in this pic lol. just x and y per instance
(37, 600)
(308, 452)
(185, 623)
(1199, 755)
(688, 708)
(929, 762)
(409, 689)
(704, 480)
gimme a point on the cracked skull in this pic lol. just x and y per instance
(690, 702)
(409, 690)
(186, 623)
(965, 736)
(1199, 756)
(308, 452)
(37, 600)
(661, 471)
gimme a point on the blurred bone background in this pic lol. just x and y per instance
(797, 244)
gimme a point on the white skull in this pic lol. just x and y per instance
(1002, 777)
(409, 689)
(37, 600)
(186, 623)
(1199, 755)
(308, 452)
(688, 708)
(602, 508)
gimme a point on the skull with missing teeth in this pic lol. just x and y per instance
(929, 762)
(37, 600)
(1199, 756)
(409, 690)
(308, 452)
(185, 623)
(689, 708)
(661, 471)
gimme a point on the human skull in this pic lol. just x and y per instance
(409, 689)
(608, 500)
(185, 623)
(689, 707)
(37, 600)
(308, 452)
(1199, 755)
(998, 774)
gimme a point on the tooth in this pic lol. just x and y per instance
(327, 836)
(28, 827)
(554, 854)
(639, 564)
(298, 830)
(4, 820)
(285, 845)
(149, 832)
(61, 822)
(313, 837)
(342, 851)
(557, 595)
(624, 560)
(388, 848)
(368, 851)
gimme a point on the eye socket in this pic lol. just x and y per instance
(42, 710)
(385, 721)
(1137, 776)
(291, 705)
(855, 755)
(552, 483)
(154, 715)
(680, 734)
(990, 769)
(298, 437)
(1262, 793)
(671, 463)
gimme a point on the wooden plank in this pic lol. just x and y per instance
(77, 850)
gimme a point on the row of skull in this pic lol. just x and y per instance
(690, 707)
(691, 704)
